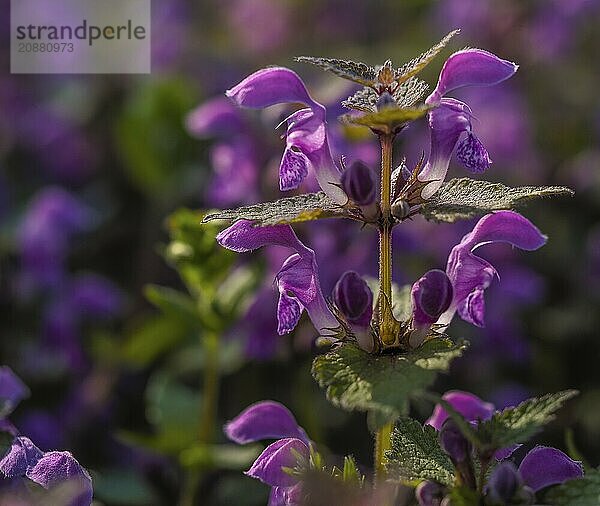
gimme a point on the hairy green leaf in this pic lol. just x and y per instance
(408, 93)
(307, 207)
(416, 454)
(364, 100)
(357, 380)
(518, 424)
(464, 198)
(360, 73)
(582, 492)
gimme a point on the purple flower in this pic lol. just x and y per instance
(354, 299)
(544, 466)
(431, 297)
(297, 280)
(233, 158)
(53, 218)
(541, 467)
(55, 469)
(272, 420)
(451, 117)
(12, 391)
(307, 145)
(471, 275)
(468, 405)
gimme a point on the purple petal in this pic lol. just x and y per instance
(471, 67)
(243, 236)
(12, 391)
(297, 278)
(504, 453)
(293, 169)
(270, 86)
(431, 296)
(268, 466)
(354, 299)
(23, 455)
(473, 155)
(467, 404)
(289, 311)
(446, 124)
(217, 117)
(264, 420)
(470, 274)
(286, 496)
(56, 468)
(544, 466)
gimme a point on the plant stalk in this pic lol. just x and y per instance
(385, 239)
(383, 435)
(382, 444)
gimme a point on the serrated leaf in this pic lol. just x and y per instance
(417, 64)
(416, 454)
(358, 72)
(408, 93)
(357, 380)
(307, 207)
(363, 100)
(389, 117)
(465, 198)
(582, 492)
(518, 424)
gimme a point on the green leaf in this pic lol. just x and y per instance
(408, 93)
(123, 487)
(151, 139)
(220, 456)
(307, 207)
(582, 492)
(416, 454)
(357, 380)
(389, 118)
(465, 198)
(417, 64)
(173, 303)
(360, 73)
(518, 424)
(350, 472)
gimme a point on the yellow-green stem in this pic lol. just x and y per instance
(383, 435)
(210, 387)
(385, 237)
(382, 444)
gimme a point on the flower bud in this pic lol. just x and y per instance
(431, 296)
(354, 298)
(358, 182)
(400, 209)
(454, 444)
(503, 484)
(429, 493)
(385, 100)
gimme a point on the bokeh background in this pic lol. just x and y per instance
(139, 337)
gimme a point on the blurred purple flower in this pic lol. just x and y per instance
(53, 218)
(12, 391)
(544, 466)
(297, 280)
(272, 420)
(233, 157)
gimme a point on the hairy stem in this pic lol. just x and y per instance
(382, 444)
(385, 238)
